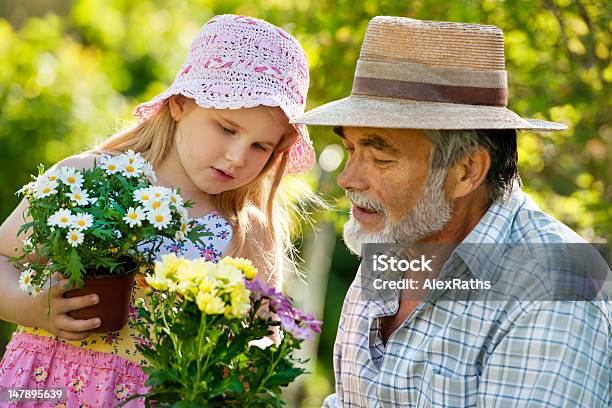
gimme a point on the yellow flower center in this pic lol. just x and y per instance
(46, 190)
(173, 199)
(27, 280)
(156, 205)
(77, 196)
(63, 219)
(159, 218)
(157, 195)
(129, 169)
(52, 178)
(132, 160)
(112, 167)
(74, 237)
(71, 180)
(133, 216)
(146, 197)
(81, 223)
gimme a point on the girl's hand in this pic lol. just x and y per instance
(56, 320)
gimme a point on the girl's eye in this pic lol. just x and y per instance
(259, 147)
(227, 130)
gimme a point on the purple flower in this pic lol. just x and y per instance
(276, 306)
(133, 313)
(209, 254)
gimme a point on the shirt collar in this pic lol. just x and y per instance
(495, 230)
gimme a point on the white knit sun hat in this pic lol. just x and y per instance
(241, 62)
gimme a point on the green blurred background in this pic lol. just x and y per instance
(72, 71)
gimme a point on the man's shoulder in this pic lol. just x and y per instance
(530, 224)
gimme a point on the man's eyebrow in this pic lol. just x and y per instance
(378, 143)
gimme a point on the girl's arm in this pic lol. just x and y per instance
(18, 307)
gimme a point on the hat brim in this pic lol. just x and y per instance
(301, 153)
(365, 111)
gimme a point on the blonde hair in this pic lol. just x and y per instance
(253, 210)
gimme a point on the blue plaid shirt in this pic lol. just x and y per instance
(461, 354)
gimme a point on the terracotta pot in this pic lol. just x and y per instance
(115, 295)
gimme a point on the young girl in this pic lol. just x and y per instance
(221, 134)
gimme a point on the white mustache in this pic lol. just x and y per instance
(362, 200)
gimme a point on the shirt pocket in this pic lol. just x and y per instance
(441, 390)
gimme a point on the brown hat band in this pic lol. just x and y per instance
(403, 80)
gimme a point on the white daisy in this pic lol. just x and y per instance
(45, 188)
(130, 169)
(35, 291)
(183, 213)
(52, 175)
(149, 172)
(160, 192)
(112, 164)
(157, 205)
(71, 177)
(143, 196)
(25, 280)
(62, 218)
(28, 246)
(175, 198)
(49, 175)
(79, 196)
(27, 243)
(135, 216)
(82, 221)
(133, 158)
(29, 188)
(160, 218)
(75, 237)
(185, 227)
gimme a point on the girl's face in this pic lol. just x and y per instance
(224, 149)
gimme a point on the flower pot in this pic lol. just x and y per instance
(114, 293)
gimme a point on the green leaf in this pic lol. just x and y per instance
(284, 377)
(74, 269)
(25, 227)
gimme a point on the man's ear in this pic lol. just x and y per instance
(468, 173)
(180, 105)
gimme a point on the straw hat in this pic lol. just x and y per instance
(417, 74)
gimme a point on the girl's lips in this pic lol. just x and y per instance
(365, 215)
(221, 175)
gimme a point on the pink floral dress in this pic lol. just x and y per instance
(104, 369)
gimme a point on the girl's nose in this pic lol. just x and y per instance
(236, 154)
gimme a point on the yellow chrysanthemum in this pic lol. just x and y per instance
(227, 273)
(187, 289)
(208, 303)
(239, 301)
(169, 265)
(191, 271)
(158, 283)
(244, 265)
(206, 284)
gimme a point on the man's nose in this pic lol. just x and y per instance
(352, 177)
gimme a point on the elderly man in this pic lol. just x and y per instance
(433, 159)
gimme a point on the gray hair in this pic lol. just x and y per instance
(452, 145)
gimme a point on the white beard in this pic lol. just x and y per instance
(431, 213)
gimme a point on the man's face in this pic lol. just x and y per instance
(394, 198)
